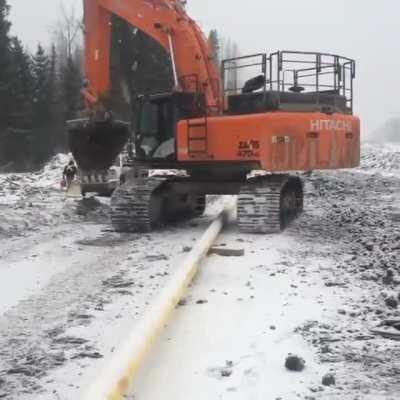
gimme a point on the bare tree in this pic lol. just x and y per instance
(68, 33)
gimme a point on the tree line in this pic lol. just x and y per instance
(38, 92)
(223, 49)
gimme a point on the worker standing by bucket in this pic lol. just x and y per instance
(69, 173)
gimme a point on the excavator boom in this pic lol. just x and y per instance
(167, 22)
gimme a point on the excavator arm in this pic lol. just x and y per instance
(167, 22)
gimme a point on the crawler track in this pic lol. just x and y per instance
(135, 205)
(268, 204)
(144, 203)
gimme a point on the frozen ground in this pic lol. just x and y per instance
(70, 288)
(380, 157)
(316, 290)
(30, 202)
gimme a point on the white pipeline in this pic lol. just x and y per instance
(118, 376)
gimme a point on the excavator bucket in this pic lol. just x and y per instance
(96, 144)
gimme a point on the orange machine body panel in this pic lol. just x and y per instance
(276, 141)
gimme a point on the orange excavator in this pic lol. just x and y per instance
(251, 135)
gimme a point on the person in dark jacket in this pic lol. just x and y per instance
(69, 173)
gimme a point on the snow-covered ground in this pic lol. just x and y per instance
(230, 337)
(30, 201)
(316, 290)
(381, 157)
(70, 288)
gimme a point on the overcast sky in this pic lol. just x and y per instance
(367, 30)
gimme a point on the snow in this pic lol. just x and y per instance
(51, 173)
(32, 202)
(249, 321)
(70, 289)
(315, 290)
(64, 274)
(381, 158)
(14, 186)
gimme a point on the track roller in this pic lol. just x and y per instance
(198, 205)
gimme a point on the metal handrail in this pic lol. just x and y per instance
(311, 71)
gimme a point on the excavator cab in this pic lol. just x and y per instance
(154, 133)
(156, 122)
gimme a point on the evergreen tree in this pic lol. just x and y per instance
(4, 31)
(17, 137)
(34, 103)
(53, 77)
(21, 87)
(5, 66)
(71, 84)
(55, 110)
(215, 44)
(42, 119)
(53, 101)
(40, 69)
